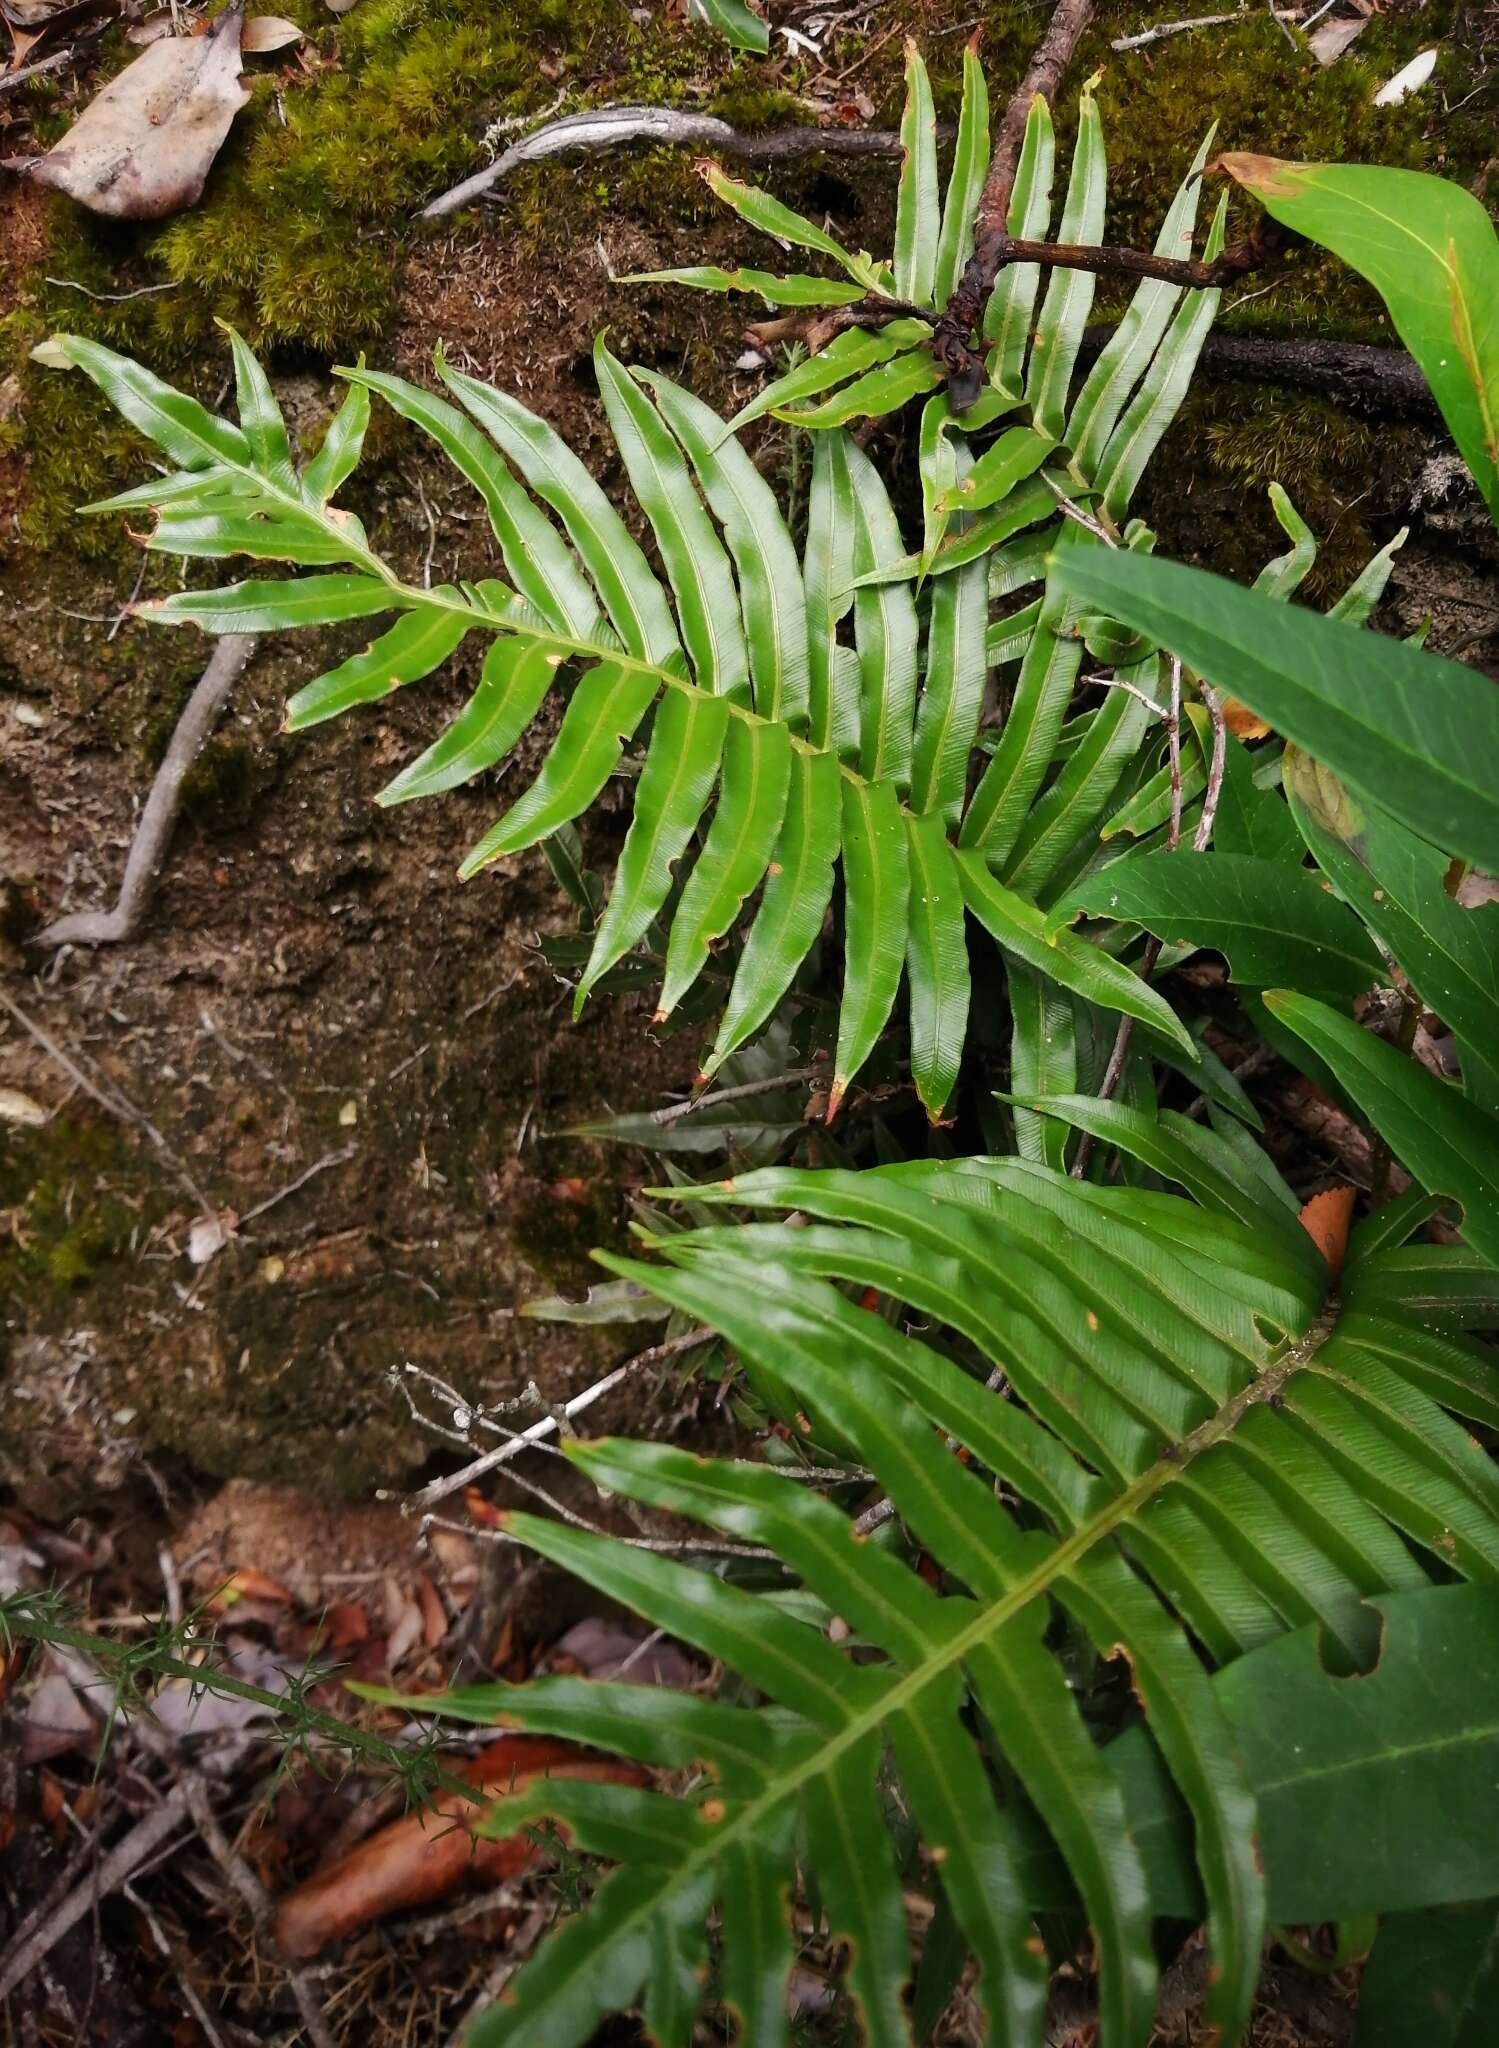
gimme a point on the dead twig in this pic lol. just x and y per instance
(539, 1432)
(59, 61)
(318, 1166)
(675, 1111)
(148, 848)
(602, 128)
(1145, 36)
(40, 1933)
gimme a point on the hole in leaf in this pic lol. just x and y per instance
(1355, 1650)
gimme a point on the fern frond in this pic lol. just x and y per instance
(1202, 1457)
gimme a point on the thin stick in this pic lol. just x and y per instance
(244, 1881)
(9, 80)
(34, 1943)
(1163, 29)
(601, 128)
(318, 1166)
(226, 665)
(675, 1111)
(539, 1432)
(172, 1954)
(1216, 765)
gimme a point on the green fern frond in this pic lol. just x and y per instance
(1198, 1454)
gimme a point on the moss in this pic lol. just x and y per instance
(70, 1195)
(752, 108)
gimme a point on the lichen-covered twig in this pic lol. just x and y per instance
(226, 665)
(601, 128)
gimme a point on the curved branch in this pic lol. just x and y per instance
(601, 128)
(112, 927)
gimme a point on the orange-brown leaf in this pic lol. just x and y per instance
(1325, 1219)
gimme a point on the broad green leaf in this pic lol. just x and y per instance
(742, 27)
(852, 1858)
(796, 896)
(917, 208)
(885, 631)
(417, 643)
(516, 677)
(786, 225)
(1009, 639)
(681, 766)
(937, 463)
(1408, 729)
(1042, 692)
(1253, 817)
(1017, 454)
(1019, 928)
(1164, 386)
(845, 357)
(286, 536)
(1285, 575)
(1397, 884)
(1129, 349)
(828, 557)
(1043, 1061)
(952, 696)
(1429, 249)
(876, 887)
(603, 711)
(187, 431)
(342, 445)
(775, 617)
(1069, 293)
(1450, 1146)
(260, 419)
(275, 607)
(633, 599)
(696, 563)
(538, 560)
(877, 392)
(1068, 812)
(1278, 926)
(1007, 317)
(751, 807)
(936, 964)
(776, 291)
(965, 184)
(1432, 1980)
(980, 537)
(186, 490)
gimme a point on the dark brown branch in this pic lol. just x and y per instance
(1262, 245)
(991, 223)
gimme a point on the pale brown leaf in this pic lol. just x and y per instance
(144, 147)
(267, 32)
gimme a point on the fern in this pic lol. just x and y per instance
(1198, 1449)
(825, 701)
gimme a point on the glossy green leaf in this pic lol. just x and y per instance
(772, 218)
(846, 356)
(602, 713)
(275, 607)
(980, 538)
(965, 183)
(829, 558)
(751, 806)
(952, 696)
(543, 568)
(278, 537)
(1278, 926)
(917, 208)
(1368, 587)
(1432, 1980)
(416, 644)
(186, 430)
(1017, 454)
(885, 631)
(936, 964)
(631, 595)
(797, 891)
(775, 290)
(512, 688)
(1449, 1145)
(1069, 293)
(1020, 928)
(739, 24)
(876, 888)
(1043, 1061)
(775, 617)
(878, 391)
(696, 562)
(260, 419)
(1428, 247)
(342, 445)
(681, 766)
(1068, 812)
(1007, 317)
(1406, 728)
(1398, 885)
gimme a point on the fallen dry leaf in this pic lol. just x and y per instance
(248, 1584)
(266, 32)
(145, 145)
(16, 1108)
(1328, 41)
(424, 1856)
(1325, 1219)
(1243, 723)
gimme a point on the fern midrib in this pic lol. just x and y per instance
(1069, 1553)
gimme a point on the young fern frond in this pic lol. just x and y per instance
(1200, 1455)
